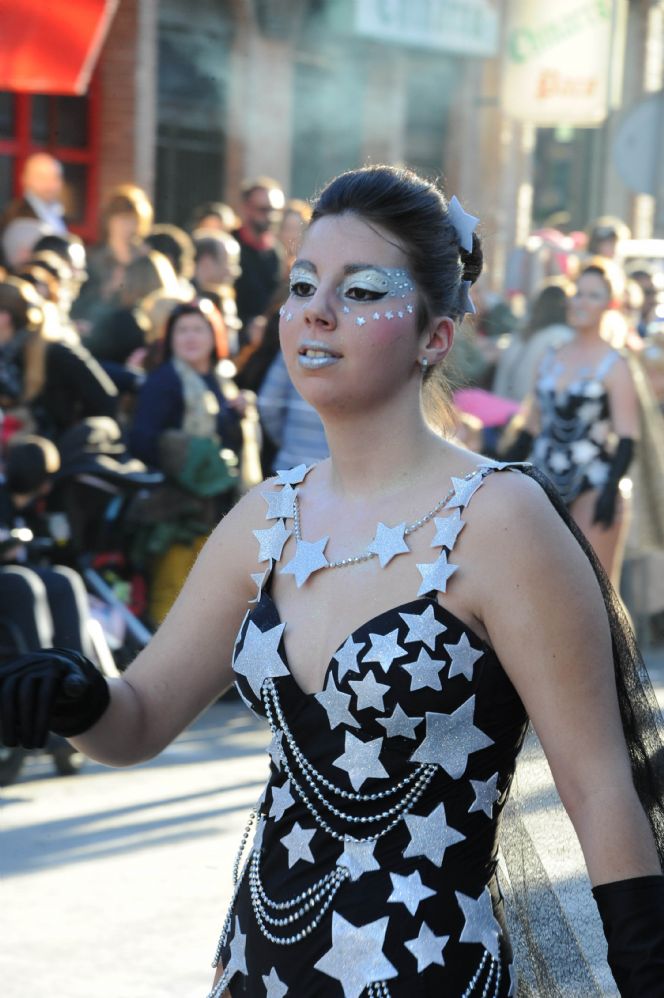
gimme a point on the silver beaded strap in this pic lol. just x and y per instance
(238, 877)
(378, 989)
(493, 977)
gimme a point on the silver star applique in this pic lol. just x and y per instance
(486, 795)
(271, 541)
(275, 749)
(388, 542)
(280, 503)
(260, 657)
(358, 857)
(273, 986)
(282, 799)
(259, 579)
(424, 672)
(465, 489)
(335, 704)
(257, 843)
(430, 836)
(481, 925)
(297, 843)
(309, 557)
(409, 891)
(448, 529)
(423, 627)
(435, 575)
(356, 958)
(370, 693)
(384, 649)
(463, 222)
(427, 948)
(450, 739)
(399, 723)
(237, 963)
(293, 476)
(347, 656)
(463, 657)
(360, 760)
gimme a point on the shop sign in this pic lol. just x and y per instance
(463, 27)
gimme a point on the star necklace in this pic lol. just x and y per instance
(388, 542)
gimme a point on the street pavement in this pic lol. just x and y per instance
(114, 883)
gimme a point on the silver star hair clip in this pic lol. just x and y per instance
(463, 222)
(466, 303)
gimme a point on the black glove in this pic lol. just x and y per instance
(605, 507)
(632, 913)
(57, 690)
(520, 447)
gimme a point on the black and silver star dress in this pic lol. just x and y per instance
(372, 871)
(573, 447)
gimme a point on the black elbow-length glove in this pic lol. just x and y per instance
(605, 508)
(56, 689)
(632, 913)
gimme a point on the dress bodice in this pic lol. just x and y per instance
(383, 800)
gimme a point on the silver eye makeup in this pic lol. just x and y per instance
(366, 285)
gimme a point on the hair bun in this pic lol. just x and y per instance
(472, 261)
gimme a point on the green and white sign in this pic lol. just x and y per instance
(464, 27)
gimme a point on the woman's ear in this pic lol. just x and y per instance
(437, 340)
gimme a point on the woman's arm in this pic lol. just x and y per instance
(623, 401)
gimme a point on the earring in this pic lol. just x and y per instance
(424, 364)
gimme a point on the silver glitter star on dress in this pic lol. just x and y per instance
(360, 760)
(370, 693)
(450, 739)
(274, 987)
(275, 749)
(347, 656)
(297, 843)
(423, 627)
(358, 857)
(481, 925)
(335, 704)
(282, 799)
(424, 672)
(486, 795)
(237, 963)
(448, 529)
(271, 541)
(463, 657)
(464, 490)
(435, 575)
(293, 476)
(260, 657)
(388, 542)
(308, 558)
(356, 958)
(409, 890)
(280, 503)
(430, 836)
(384, 649)
(259, 578)
(399, 723)
(427, 948)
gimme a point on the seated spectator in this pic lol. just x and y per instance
(19, 238)
(261, 255)
(213, 216)
(217, 267)
(177, 247)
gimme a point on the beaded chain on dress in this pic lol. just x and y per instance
(374, 852)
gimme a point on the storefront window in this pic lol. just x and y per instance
(61, 121)
(7, 115)
(6, 170)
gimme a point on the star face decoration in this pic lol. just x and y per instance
(297, 843)
(399, 724)
(360, 760)
(435, 575)
(356, 958)
(293, 476)
(409, 891)
(448, 529)
(360, 321)
(282, 799)
(358, 857)
(271, 541)
(430, 836)
(370, 693)
(335, 704)
(280, 503)
(486, 795)
(237, 963)
(464, 490)
(427, 948)
(423, 627)
(463, 657)
(384, 649)
(260, 657)
(424, 672)
(376, 315)
(273, 986)
(309, 557)
(346, 657)
(481, 925)
(388, 542)
(463, 222)
(450, 739)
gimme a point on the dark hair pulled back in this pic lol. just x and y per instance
(415, 212)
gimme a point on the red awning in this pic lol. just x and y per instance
(51, 46)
